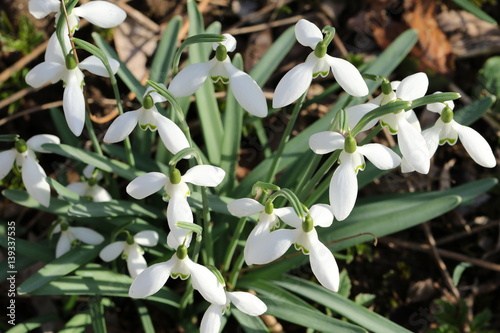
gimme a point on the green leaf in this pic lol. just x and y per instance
(341, 305)
(62, 191)
(147, 323)
(57, 207)
(458, 271)
(481, 320)
(32, 324)
(77, 323)
(96, 310)
(489, 75)
(115, 208)
(364, 299)
(31, 250)
(9, 137)
(473, 111)
(162, 60)
(249, 324)
(344, 284)
(473, 9)
(63, 131)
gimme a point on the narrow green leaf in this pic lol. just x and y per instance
(147, 322)
(378, 112)
(434, 98)
(162, 60)
(458, 271)
(62, 191)
(96, 310)
(249, 324)
(115, 208)
(63, 131)
(9, 137)
(32, 324)
(57, 207)
(32, 250)
(473, 9)
(78, 323)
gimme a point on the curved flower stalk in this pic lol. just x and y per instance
(245, 90)
(318, 63)
(131, 250)
(344, 183)
(57, 67)
(244, 301)
(148, 117)
(264, 244)
(176, 193)
(72, 236)
(89, 188)
(24, 159)
(100, 13)
(447, 130)
(180, 265)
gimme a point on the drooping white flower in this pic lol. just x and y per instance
(447, 130)
(245, 90)
(72, 236)
(318, 63)
(344, 183)
(245, 302)
(149, 281)
(264, 244)
(101, 13)
(24, 158)
(177, 191)
(148, 117)
(57, 67)
(89, 188)
(131, 251)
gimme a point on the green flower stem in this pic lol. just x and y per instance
(90, 128)
(232, 244)
(284, 139)
(187, 298)
(325, 168)
(235, 273)
(318, 192)
(202, 38)
(306, 176)
(371, 135)
(207, 228)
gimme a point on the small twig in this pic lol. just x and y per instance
(264, 26)
(18, 95)
(139, 17)
(30, 110)
(21, 63)
(466, 233)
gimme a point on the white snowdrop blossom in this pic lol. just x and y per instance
(176, 193)
(149, 281)
(264, 244)
(100, 13)
(318, 63)
(72, 236)
(244, 301)
(89, 188)
(148, 117)
(131, 251)
(447, 130)
(57, 67)
(24, 159)
(245, 90)
(344, 183)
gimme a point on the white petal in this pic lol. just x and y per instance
(7, 159)
(431, 136)
(229, 43)
(347, 76)
(36, 142)
(289, 216)
(307, 33)
(42, 8)
(247, 303)
(405, 166)
(150, 280)
(146, 238)
(211, 321)
(171, 135)
(95, 66)
(43, 73)
(244, 207)
(321, 215)
(111, 251)
(135, 261)
(477, 147)
(343, 190)
(413, 147)
(326, 142)
(74, 102)
(355, 113)
(413, 87)
(178, 237)
(54, 53)
(188, 80)
(122, 126)
(381, 156)
(268, 246)
(99, 194)
(204, 175)
(34, 181)
(101, 13)
(157, 98)
(146, 185)
(246, 91)
(324, 266)
(79, 188)
(63, 245)
(178, 210)
(206, 283)
(86, 235)
(293, 84)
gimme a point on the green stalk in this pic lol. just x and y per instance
(207, 228)
(235, 273)
(232, 244)
(90, 129)
(305, 192)
(284, 139)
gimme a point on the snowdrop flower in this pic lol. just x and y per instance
(264, 244)
(176, 193)
(148, 117)
(57, 67)
(89, 188)
(131, 250)
(24, 158)
(154, 277)
(245, 90)
(318, 63)
(344, 183)
(72, 236)
(245, 302)
(447, 130)
(101, 13)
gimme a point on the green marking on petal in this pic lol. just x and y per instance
(224, 80)
(148, 126)
(392, 130)
(360, 167)
(322, 74)
(451, 142)
(299, 247)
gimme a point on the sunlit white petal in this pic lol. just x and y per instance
(63, 244)
(343, 190)
(36, 142)
(111, 251)
(150, 280)
(326, 142)
(413, 147)
(204, 175)
(247, 303)
(324, 266)
(289, 216)
(355, 113)
(74, 102)
(146, 185)
(95, 66)
(293, 84)
(321, 215)
(413, 87)
(171, 135)
(206, 283)
(211, 321)
(146, 238)
(477, 147)
(7, 159)
(42, 8)
(188, 80)
(86, 235)
(34, 181)
(122, 126)
(101, 13)
(244, 207)
(43, 73)
(135, 261)
(263, 247)
(381, 156)
(347, 76)
(307, 33)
